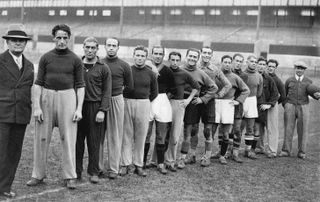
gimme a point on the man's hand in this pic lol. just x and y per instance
(184, 103)
(77, 116)
(38, 115)
(100, 117)
(196, 101)
(265, 107)
(234, 102)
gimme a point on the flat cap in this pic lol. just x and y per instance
(300, 64)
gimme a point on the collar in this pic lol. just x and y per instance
(297, 77)
(15, 58)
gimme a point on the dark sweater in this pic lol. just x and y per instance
(208, 87)
(254, 82)
(165, 80)
(181, 79)
(121, 74)
(145, 85)
(60, 70)
(280, 87)
(296, 92)
(238, 85)
(98, 85)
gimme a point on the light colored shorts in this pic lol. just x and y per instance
(250, 108)
(224, 111)
(161, 109)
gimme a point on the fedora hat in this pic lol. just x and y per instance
(16, 31)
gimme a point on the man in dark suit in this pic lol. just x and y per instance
(16, 79)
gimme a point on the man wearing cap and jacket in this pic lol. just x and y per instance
(296, 109)
(16, 79)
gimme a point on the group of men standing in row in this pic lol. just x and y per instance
(96, 98)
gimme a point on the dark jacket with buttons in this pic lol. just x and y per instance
(270, 95)
(15, 90)
(296, 92)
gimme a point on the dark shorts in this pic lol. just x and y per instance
(192, 114)
(207, 112)
(238, 111)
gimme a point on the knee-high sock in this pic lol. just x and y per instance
(224, 147)
(160, 152)
(146, 150)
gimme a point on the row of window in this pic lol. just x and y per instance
(175, 12)
(70, 3)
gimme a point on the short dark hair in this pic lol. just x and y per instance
(174, 53)
(157, 46)
(251, 56)
(140, 47)
(273, 61)
(206, 47)
(226, 56)
(261, 58)
(237, 54)
(62, 27)
(115, 38)
(193, 49)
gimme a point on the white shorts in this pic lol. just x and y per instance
(224, 111)
(161, 109)
(250, 109)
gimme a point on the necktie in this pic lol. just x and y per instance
(19, 63)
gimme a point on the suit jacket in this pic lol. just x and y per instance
(15, 90)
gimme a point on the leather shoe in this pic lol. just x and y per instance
(301, 155)
(140, 172)
(94, 179)
(113, 175)
(34, 182)
(71, 184)
(171, 168)
(283, 154)
(9, 194)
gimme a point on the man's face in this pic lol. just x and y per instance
(157, 56)
(272, 67)
(90, 50)
(299, 70)
(174, 61)
(262, 65)
(16, 46)
(61, 39)
(252, 63)
(139, 57)
(206, 55)
(192, 58)
(112, 47)
(226, 64)
(237, 62)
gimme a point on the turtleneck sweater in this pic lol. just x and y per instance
(208, 87)
(121, 74)
(238, 85)
(60, 70)
(254, 82)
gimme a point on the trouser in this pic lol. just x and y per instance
(114, 135)
(236, 133)
(58, 108)
(93, 131)
(272, 129)
(11, 141)
(176, 130)
(161, 112)
(136, 121)
(293, 114)
(259, 135)
(249, 136)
